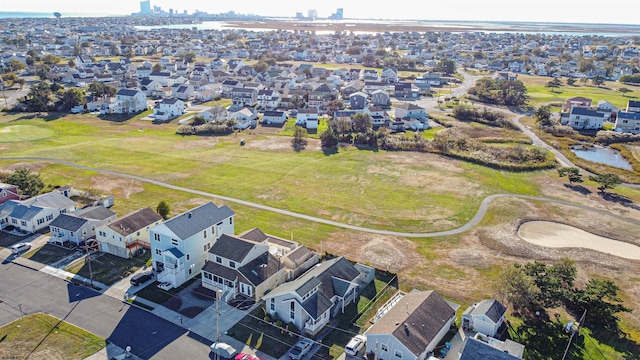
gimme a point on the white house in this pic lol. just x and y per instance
(409, 110)
(126, 236)
(311, 300)
(35, 213)
(238, 266)
(628, 122)
(81, 225)
(390, 75)
(308, 118)
(412, 326)
(168, 109)
(180, 244)
(274, 117)
(484, 317)
(583, 118)
(129, 101)
(160, 76)
(243, 117)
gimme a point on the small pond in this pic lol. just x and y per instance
(603, 155)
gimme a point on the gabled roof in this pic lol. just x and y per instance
(134, 221)
(68, 222)
(316, 305)
(408, 106)
(477, 350)
(577, 110)
(52, 199)
(232, 248)
(493, 309)
(95, 213)
(127, 92)
(628, 115)
(261, 268)
(195, 220)
(415, 320)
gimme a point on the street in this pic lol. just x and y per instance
(113, 320)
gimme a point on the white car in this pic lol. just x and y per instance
(355, 344)
(165, 285)
(300, 349)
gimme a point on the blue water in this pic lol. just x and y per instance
(605, 156)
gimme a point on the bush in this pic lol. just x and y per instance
(610, 137)
(267, 318)
(222, 128)
(279, 323)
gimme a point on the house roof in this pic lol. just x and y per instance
(493, 309)
(577, 110)
(274, 113)
(628, 115)
(261, 268)
(195, 220)
(127, 92)
(579, 98)
(52, 199)
(316, 305)
(175, 252)
(477, 350)
(633, 103)
(232, 248)
(408, 106)
(170, 101)
(95, 213)
(256, 235)
(68, 222)
(134, 221)
(415, 320)
(300, 253)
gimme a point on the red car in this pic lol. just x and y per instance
(243, 356)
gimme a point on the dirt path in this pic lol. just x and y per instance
(551, 234)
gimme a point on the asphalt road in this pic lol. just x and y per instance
(120, 323)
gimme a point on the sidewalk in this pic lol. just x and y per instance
(110, 352)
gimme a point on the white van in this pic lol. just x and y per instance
(223, 350)
(20, 247)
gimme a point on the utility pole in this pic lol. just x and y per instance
(88, 262)
(580, 322)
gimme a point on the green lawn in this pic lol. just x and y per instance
(107, 268)
(539, 94)
(20, 133)
(41, 336)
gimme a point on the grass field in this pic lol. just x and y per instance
(41, 336)
(539, 94)
(107, 268)
(20, 133)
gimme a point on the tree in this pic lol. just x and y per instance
(297, 102)
(16, 65)
(343, 126)
(606, 181)
(50, 59)
(71, 97)
(543, 116)
(446, 66)
(597, 80)
(9, 79)
(329, 138)
(571, 81)
(354, 50)
(624, 91)
(156, 67)
(198, 120)
(190, 57)
(368, 59)
(585, 66)
(554, 283)
(573, 174)
(362, 122)
(299, 141)
(43, 72)
(334, 105)
(601, 301)
(39, 97)
(163, 209)
(260, 66)
(28, 182)
(516, 288)
(555, 83)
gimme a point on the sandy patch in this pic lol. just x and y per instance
(551, 234)
(279, 143)
(116, 186)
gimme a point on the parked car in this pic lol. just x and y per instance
(245, 356)
(20, 247)
(223, 350)
(300, 349)
(141, 278)
(355, 344)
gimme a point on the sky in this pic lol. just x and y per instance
(573, 11)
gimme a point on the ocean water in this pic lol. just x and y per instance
(22, 15)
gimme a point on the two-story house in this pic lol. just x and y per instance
(126, 236)
(129, 101)
(583, 118)
(81, 225)
(36, 213)
(8, 192)
(179, 245)
(485, 317)
(244, 96)
(408, 110)
(168, 109)
(237, 266)
(311, 300)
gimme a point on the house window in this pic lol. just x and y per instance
(273, 304)
(156, 237)
(213, 230)
(188, 257)
(218, 259)
(232, 264)
(14, 221)
(207, 276)
(138, 233)
(398, 354)
(159, 252)
(190, 270)
(72, 234)
(384, 347)
(24, 223)
(174, 242)
(230, 221)
(292, 313)
(204, 234)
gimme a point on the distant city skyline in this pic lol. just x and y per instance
(570, 11)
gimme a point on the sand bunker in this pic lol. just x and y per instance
(550, 234)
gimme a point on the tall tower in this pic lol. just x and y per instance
(339, 14)
(145, 7)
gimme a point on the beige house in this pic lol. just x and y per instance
(128, 235)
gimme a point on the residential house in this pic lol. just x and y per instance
(238, 266)
(8, 192)
(369, 75)
(311, 300)
(274, 118)
(358, 100)
(160, 76)
(243, 117)
(36, 213)
(577, 101)
(633, 106)
(244, 96)
(182, 91)
(228, 85)
(149, 86)
(268, 99)
(180, 244)
(235, 65)
(321, 96)
(484, 317)
(405, 90)
(628, 122)
(389, 75)
(582, 118)
(308, 118)
(129, 101)
(168, 109)
(409, 110)
(128, 235)
(607, 108)
(298, 261)
(214, 114)
(378, 116)
(482, 347)
(380, 98)
(81, 225)
(411, 327)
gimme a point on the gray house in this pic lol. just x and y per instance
(485, 317)
(358, 100)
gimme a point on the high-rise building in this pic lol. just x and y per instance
(313, 14)
(145, 7)
(339, 14)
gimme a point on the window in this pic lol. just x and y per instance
(72, 234)
(213, 230)
(292, 313)
(174, 242)
(102, 233)
(188, 257)
(138, 233)
(156, 237)
(232, 264)
(84, 231)
(24, 223)
(273, 304)
(207, 276)
(398, 354)
(158, 252)
(384, 347)
(190, 271)
(218, 259)
(230, 221)
(49, 217)
(204, 234)
(14, 221)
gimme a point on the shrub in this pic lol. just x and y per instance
(267, 318)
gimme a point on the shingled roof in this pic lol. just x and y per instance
(195, 220)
